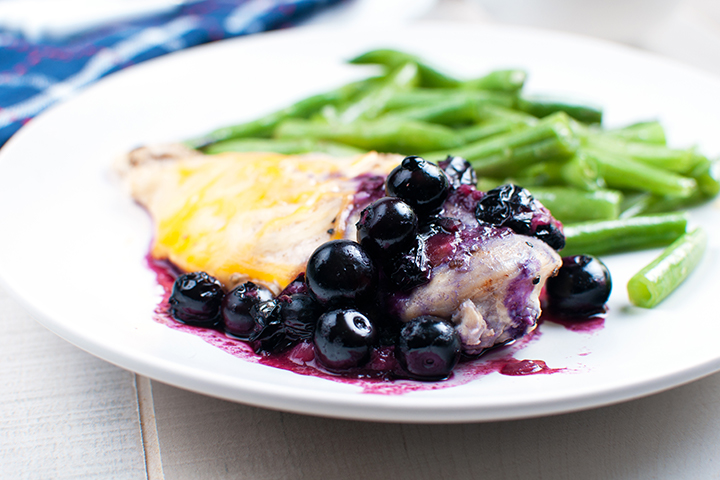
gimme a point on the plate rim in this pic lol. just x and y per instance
(405, 411)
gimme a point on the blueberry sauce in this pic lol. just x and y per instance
(516, 367)
(370, 189)
(447, 237)
(517, 303)
(374, 377)
(582, 323)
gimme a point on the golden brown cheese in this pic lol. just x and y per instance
(246, 216)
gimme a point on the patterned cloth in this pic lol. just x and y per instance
(34, 76)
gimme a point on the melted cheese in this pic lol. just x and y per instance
(256, 216)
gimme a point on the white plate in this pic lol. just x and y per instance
(72, 246)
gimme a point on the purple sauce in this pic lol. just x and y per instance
(585, 324)
(370, 188)
(589, 324)
(376, 377)
(517, 303)
(452, 242)
(514, 367)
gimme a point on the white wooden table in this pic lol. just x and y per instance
(66, 414)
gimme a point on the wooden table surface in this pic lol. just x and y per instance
(67, 414)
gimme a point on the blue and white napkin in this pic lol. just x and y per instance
(35, 74)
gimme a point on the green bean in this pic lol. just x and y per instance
(648, 132)
(656, 281)
(514, 158)
(265, 125)
(582, 172)
(372, 102)
(485, 184)
(623, 235)
(635, 204)
(498, 80)
(660, 156)
(451, 112)
(384, 135)
(658, 204)
(707, 176)
(425, 96)
(489, 112)
(288, 147)
(541, 174)
(570, 205)
(491, 123)
(460, 110)
(505, 154)
(485, 130)
(429, 77)
(626, 173)
(488, 183)
(541, 106)
(646, 203)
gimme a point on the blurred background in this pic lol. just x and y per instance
(49, 49)
(630, 21)
(687, 30)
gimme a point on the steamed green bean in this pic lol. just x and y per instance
(372, 102)
(648, 132)
(659, 156)
(427, 96)
(264, 126)
(662, 276)
(288, 147)
(429, 77)
(623, 235)
(541, 106)
(383, 135)
(570, 205)
(626, 173)
(505, 154)
(499, 80)
(611, 187)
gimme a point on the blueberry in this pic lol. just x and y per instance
(236, 306)
(507, 206)
(270, 335)
(459, 171)
(552, 235)
(343, 339)
(409, 269)
(514, 207)
(428, 348)
(196, 298)
(387, 226)
(299, 313)
(296, 286)
(341, 271)
(448, 225)
(581, 287)
(421, 184)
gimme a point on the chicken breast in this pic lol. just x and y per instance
(495, 297)
(259, 217)
(248, 216)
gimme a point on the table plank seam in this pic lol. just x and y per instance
(148, 429)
